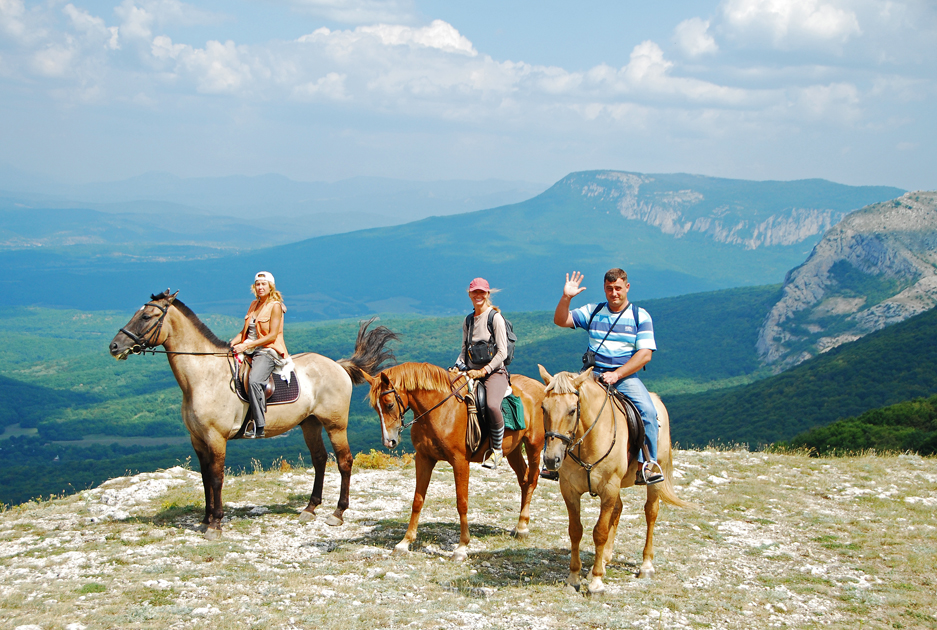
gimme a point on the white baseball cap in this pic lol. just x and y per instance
(265, 275)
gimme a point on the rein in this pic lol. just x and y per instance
(404, 409)
(567, 439)
(143, 343)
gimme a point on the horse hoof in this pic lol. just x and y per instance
(572, 582)
(459, 555)
(401, 548)
(520, 534)
(305, 516)
(212, 533)
(597, 588)
(334, 521)
(646, 574)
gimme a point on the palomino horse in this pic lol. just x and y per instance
(213, 413)
(438, 434)
(574, 405)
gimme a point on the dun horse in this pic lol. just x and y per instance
(213, 413)
(438, 433)
(588, 441)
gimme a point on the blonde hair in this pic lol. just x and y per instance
(488, 299)
(275, 295)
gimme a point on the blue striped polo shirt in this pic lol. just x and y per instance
(626, 338)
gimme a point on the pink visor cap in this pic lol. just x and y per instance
(479, 284)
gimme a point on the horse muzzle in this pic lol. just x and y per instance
(120, 352)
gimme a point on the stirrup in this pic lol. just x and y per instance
(649, 476)
(493, 460)
(552, 475)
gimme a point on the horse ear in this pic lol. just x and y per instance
(384, 379)
(579, 380)
(370, 379)
(173, 296)
(544, 375)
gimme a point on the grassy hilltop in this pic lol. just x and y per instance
(778, 541)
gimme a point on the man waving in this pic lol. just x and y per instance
(621, 342)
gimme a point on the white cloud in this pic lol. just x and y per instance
(331, 87)
(648, 76)
(11, 18)
(693, 38)
(92, 27)
(789, 23)
(438, 34)
(357, 11)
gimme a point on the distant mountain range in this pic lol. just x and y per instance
(675, 234)
(233, 212)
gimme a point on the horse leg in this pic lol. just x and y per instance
(424, 471)
(527, 482)
(613, 530)
(203, 467)
(572, 500)
(600, 536)
(651, 509)
(211, 461)
(339, 438)
(460, 469)
(312, 434)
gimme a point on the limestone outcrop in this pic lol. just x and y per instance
(878, 266)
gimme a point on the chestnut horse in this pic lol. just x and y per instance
(438, 434)
(581, 420)
(214, 414)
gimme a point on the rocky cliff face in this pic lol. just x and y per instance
(747, 214)
(876, 267)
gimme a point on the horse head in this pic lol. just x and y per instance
(145, 329)
(390, 405)
(561, 413)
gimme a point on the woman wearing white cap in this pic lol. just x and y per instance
(483, 358)
(262, 338)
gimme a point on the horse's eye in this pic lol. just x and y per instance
(146, 316)
(571, 412)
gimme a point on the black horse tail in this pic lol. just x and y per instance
(370, 352)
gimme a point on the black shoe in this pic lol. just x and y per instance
(639, 479)
(259, 432)
(552, 475)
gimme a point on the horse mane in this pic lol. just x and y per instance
(411, 376)
(199, 324)
(562, 383)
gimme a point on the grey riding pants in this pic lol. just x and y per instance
(262, 367)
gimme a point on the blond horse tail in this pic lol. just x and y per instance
(370, 352)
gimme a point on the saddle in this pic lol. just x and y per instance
(635, 424)
(278, 391)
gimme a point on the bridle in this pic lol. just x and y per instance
(145, 342)
(140, 342)
(567, 438)
(405, 408)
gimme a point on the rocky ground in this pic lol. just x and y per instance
(777, 541)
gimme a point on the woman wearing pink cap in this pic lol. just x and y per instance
(262, 339)
(483, 356)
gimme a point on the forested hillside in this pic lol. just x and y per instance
(907, 426)
(889, 366)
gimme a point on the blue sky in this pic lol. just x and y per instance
(95, 90)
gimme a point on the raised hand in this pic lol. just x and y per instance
(571, 289)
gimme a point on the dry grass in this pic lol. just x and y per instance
(781, 540)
